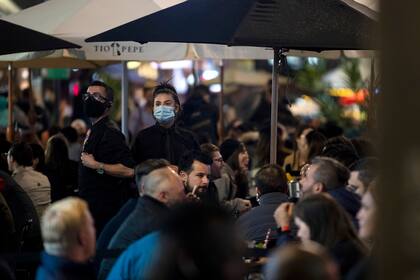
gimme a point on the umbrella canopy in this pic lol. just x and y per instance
(310, 25)
(314, 25)
(15, 38)
(78, 19)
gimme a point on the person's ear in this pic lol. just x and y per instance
(35, 162)
(258, 190)
(319, 187)
(184, 176)
(162, 196)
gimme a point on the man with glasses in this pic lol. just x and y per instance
(106, 160)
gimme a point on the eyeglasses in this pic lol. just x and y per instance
(95, 95)
(304, 170)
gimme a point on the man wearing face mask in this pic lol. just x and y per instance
(165, 139)
(106, 159)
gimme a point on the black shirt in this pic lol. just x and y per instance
(107, 144)
(167, 143)
(105, 194)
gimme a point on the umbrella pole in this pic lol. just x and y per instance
(371, 104)
(274, 107)
(124, 100)
(221, 101)
(10, 131)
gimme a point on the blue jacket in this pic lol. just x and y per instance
(136, 261)
(255, 223)
(145, 218)
(60, 268)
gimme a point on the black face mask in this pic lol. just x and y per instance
(94, 108)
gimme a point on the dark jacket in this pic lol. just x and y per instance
(255, 223)
(63, 179)
(159, 142)
(24, 214)
(59, 268)
(146, 217)
(200, 117)
(112, 227)
(105, 194)
(8, 242)
(347, 254)
(348, 200)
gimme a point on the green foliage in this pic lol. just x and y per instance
(353, 75)
(310, 76)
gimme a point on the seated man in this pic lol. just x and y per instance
(162, 188)
(271, 185)
(114, 224)
(220, 176)
(363, 172)
(194, 169)
(325, 174)
(35, 184)
(69, 239)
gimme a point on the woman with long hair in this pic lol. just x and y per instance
(236, 157)
(262, 151)
(60, 170)
(309, 144)
(321, 219)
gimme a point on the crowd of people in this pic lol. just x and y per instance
(180, 203)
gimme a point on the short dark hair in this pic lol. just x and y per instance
(108, 90)
(70, 133)
(209, 149)
(271, 178)
(341, 149)
(22, 154)
(148, 166)
(330, 172)
(187, 159)
(367, 169)
(166, 88)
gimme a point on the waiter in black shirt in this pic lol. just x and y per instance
(165, 139)
(106, 161)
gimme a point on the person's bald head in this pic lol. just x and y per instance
(164, 185)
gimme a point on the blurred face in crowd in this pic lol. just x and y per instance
(366, 216)
(217, 164)
(308, 184)
(243, 160)
(355, 184)
(304, 233)
(198, 177)
(302, 143)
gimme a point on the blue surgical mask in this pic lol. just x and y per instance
(164, 114)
